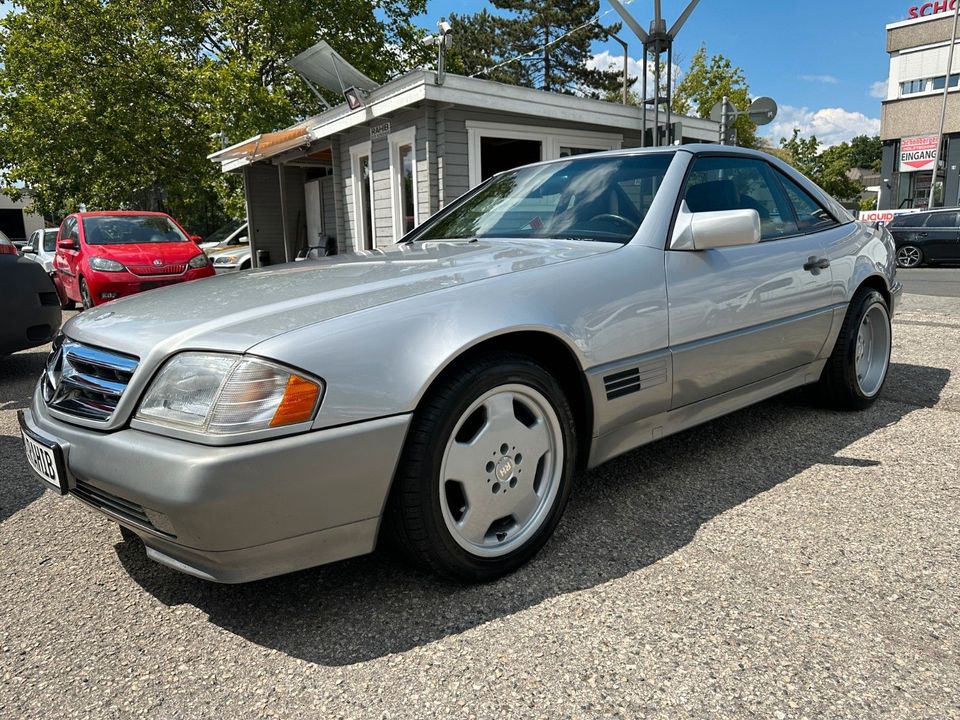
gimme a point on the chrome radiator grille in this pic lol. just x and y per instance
(86, 381)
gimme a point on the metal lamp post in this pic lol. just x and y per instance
(943, 109)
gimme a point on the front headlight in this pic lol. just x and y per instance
(219, 394)
(198, 261)
(225, 260)
(105, 264)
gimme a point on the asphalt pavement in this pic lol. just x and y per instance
(783, 562)
(939, 281)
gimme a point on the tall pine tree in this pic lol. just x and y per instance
(554, 61)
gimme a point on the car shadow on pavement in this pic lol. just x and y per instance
(18, 485)
(622, 517)
(18, 376)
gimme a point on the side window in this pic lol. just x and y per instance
(732, 183)
(941, 220)
(907, 221)
(68, 230)
(811, 215)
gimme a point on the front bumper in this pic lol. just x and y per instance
(106, 286)
(238, 513)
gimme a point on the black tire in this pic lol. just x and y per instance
(85, 298)
(838, 387)
(414, 518)
(909, 256)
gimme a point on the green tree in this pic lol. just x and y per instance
(555, 60)
(866, 152)
(106, 102)
(706, 81)
(828, 168)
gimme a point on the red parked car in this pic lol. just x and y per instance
(102, 256)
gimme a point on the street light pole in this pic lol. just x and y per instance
(943, 109)
(623, 44)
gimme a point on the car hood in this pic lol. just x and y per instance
(236, 311)
(147, 253)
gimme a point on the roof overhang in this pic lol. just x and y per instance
(419, 86)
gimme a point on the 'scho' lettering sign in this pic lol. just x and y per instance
(919, 153)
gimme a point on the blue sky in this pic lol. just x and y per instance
(819, 60)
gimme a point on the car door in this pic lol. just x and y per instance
(939, 236)
(67, 259)
(739, 315)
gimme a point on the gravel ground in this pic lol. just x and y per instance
(783, 562)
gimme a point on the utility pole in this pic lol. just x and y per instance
(623, 44)
(943, 109)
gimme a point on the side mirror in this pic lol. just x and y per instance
(28, 250)
(66, 244)
(196, 239)
(720, 229)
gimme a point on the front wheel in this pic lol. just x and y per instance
(909, 256)
(486, 471)
(858, 365)
(85, 297)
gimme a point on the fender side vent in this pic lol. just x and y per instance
(626, 382)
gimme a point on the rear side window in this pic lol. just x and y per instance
(811, 215)
(912, 220)
(941, 220)
(733, 183)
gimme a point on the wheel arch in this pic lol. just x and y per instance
(554, 353)
(878, 283)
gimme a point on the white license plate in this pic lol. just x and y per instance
(44, 461)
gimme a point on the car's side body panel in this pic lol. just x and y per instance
(404, 350)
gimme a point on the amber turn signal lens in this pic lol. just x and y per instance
(298, 403)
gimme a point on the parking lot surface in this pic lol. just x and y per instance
(783, 562)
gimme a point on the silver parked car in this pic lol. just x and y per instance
(447, 390)
(41, 247)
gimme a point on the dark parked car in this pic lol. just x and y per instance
(927, 237)
(29, 304)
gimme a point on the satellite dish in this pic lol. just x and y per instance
(717, 113)
(762, 111)
(323, 65)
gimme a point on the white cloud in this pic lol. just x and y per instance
(823, 79)
(831, 125)
(879, 89)
(607, 61)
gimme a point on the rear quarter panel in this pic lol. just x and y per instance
(857, 252)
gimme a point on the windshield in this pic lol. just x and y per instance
(588, 198)
(131, 230)
(224, 231)
(49, 240)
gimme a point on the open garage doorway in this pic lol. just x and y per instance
(498, 154)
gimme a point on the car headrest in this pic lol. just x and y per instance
(713, 196)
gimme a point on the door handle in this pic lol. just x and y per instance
(920, 235)
(815, 263)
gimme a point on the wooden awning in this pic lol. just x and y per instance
(265, 145)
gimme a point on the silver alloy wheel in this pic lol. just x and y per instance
(873, 349)
(501, 470)
(908, 256)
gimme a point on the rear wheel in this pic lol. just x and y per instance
(909, 256)
(486, 471)
(85, 297)
(857, 368)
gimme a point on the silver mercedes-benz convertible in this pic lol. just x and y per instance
(446, 391)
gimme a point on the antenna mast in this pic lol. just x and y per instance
(657, 41)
